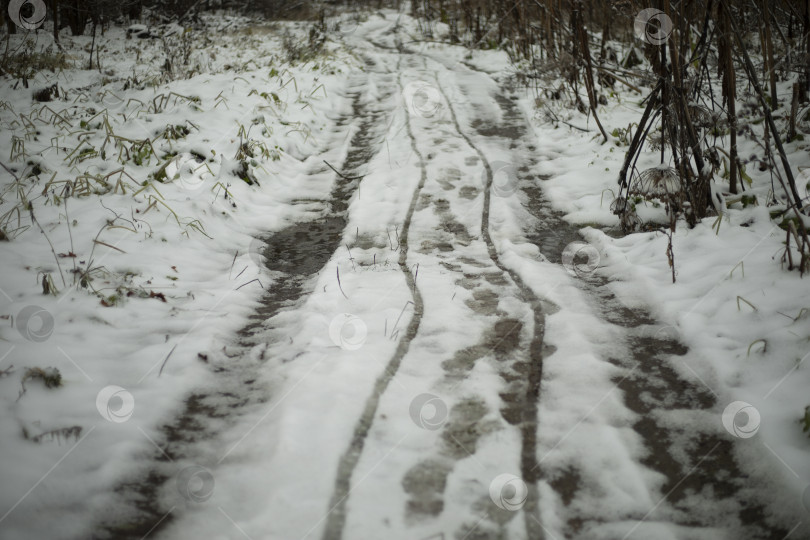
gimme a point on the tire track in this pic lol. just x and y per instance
(140, 508)
(336, 518)
(529, 404)
(692, 461)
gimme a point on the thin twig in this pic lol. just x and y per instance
(337, 271)
(56, 258)
(233, 262)
(575, 127)
(108, 245)
(167, 359)
(70, 232)
(9, 171)
(398, 318)
(341, 174)
(350, 256)
(249, 282)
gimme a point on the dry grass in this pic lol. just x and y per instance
(26, 64)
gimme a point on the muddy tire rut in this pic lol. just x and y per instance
(704, 489)
(498, 325)
(336, 516)
(295, 255)
(523, 376)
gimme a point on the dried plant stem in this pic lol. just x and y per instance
(337, 272)
(55, 256)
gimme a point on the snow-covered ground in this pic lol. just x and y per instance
(448, 372)
(734, 303)
(172, 260)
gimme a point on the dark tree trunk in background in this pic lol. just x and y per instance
(10, 26)
(803, 85)
(77, 13)
(134, 10)
(767, 50)
(726, 64)
(54, 7)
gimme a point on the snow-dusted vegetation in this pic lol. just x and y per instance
(429, 269)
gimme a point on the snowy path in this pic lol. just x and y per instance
(479, 355)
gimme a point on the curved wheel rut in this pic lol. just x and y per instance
(527, 403)
(336, 517)
(295, 255)
(514, 318)
(705, 490)
(476, 347)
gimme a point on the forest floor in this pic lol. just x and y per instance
(373, 293)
